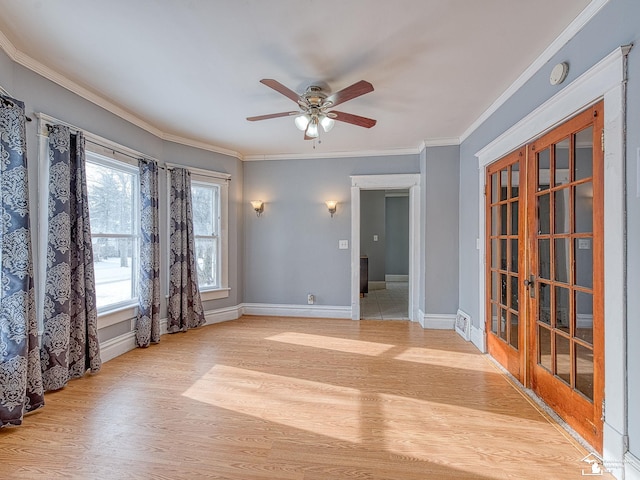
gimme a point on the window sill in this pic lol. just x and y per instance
(216, 294)
(111, 317)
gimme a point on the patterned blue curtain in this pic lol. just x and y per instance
(20, 377)
(70, 339)
(148, 325)
(185, 305)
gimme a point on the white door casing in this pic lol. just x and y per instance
(409, 181)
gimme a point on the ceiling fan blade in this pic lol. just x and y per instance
(280, 88)
(354, 119)
(349, 93)
(272, 115)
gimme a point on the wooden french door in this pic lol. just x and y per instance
(551, 293)
(505, 261)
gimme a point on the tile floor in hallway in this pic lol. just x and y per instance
(390, 303)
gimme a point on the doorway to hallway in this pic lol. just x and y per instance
(390, 303)
(377, 182)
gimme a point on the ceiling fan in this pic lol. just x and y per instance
(316, 107)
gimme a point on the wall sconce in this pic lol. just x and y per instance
(258, 206)
(331, 205)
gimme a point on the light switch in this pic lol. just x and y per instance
(375, 238)
(343, 244)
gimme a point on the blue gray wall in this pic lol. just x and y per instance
(42, 95)
(292, 250)
(442, 172)
(396, 219)
(615, 25)
(372, 222)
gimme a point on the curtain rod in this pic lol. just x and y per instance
(135, 155)
(7, 100)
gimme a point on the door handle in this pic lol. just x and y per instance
(531, 283)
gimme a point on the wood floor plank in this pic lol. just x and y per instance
(293, 399)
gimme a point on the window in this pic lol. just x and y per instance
(206, 228)
(209, 196)
(112, 188)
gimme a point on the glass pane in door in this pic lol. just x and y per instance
(562, 162)
(503, 209)
(584, 371)
(584, 317)
(583, 164)
(564, 259)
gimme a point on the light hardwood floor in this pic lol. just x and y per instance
(299, 399)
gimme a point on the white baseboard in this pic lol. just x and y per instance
(396, 278)
(419, 318)
(223, 314)
(115, 347)
(614, 447)
(438, 321)
(477, 338)
(377, 285)
(313, 311)
(631, 467)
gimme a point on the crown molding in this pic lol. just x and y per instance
(567, 34)
(359, 153)
(169, 137)
(50, 74)
(435, 142)
(440, 142)
(68, 84)
(7, 46)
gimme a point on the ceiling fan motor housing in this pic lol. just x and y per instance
(315, 97)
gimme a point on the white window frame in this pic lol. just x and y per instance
(221, 180)
(96, 145)
(216, 233)
(110, 161)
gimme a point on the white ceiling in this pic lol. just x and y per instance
(191, 68)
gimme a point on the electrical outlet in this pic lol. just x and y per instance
(311, 299)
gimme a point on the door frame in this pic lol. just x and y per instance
(605, 80)
(409, 181)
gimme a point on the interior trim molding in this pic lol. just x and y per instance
(283, 310)
(50, 74)
(377, 284)
(396, 278)
(631, 467)
(438, 321)
(574, 27)
(353, 154)
(592, 85)
(117, 346)
(382, 182)
(477, 337)
(223, 315)
(440, 142)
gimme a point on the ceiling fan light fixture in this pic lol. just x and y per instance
(302, 121)
(327, 123)
(312, 129)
